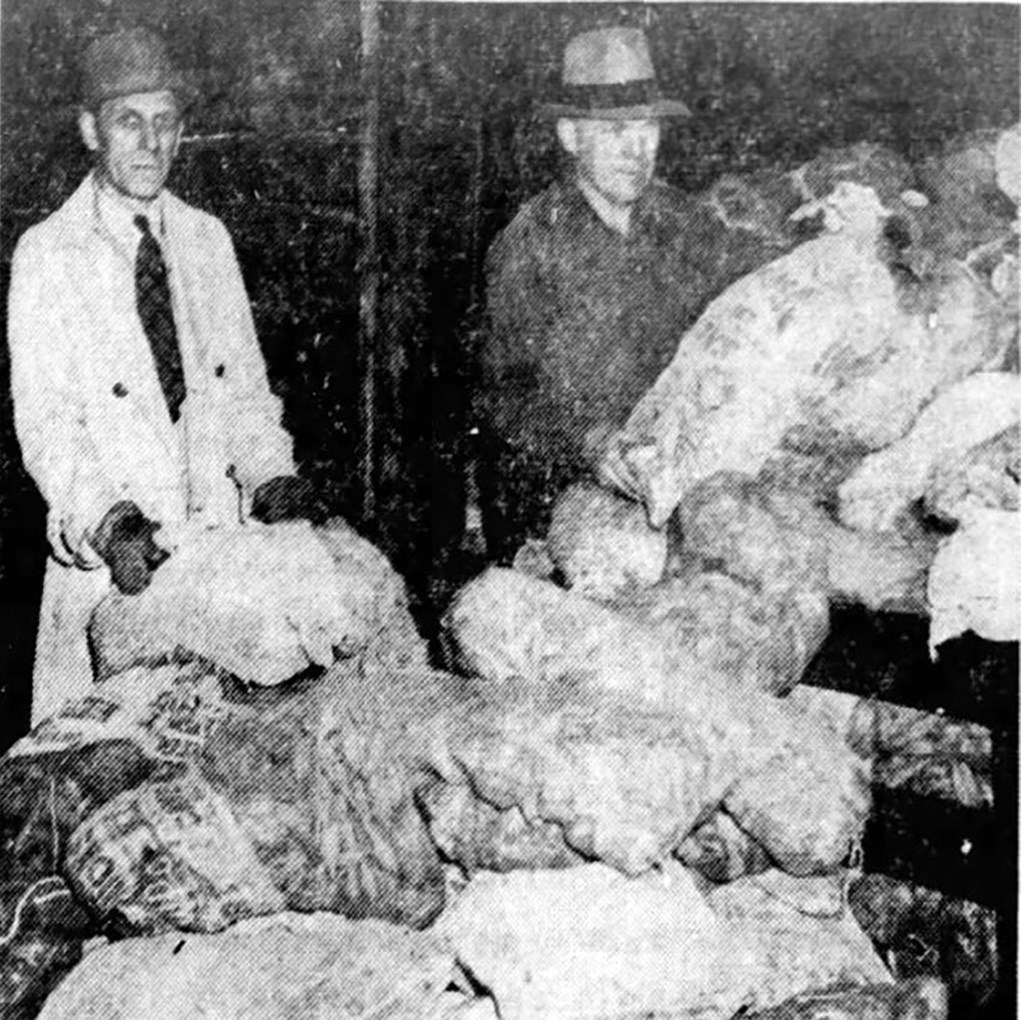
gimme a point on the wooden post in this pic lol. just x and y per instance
(368, 253)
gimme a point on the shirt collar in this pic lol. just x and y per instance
(581, 213)
(119, 217)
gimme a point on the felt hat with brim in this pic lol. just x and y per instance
(608, 75)
(131, 62)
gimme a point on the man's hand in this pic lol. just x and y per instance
(604, 452)
(287, 498)
(124, 540)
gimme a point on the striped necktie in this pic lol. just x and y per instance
(152, 293)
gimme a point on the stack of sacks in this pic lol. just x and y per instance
(581, 944)
(746, 592)
(263, 603)
(623, 783)
(824, 341)
(215, 808)
(603, 732)
(757, 635)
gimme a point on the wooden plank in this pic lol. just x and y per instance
(885, 656)
(369, 256)
(935, 843)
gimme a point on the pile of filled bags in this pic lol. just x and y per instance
(520, 838)
(857, 397)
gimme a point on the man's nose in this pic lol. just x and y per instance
(637, 145)
(149, 138)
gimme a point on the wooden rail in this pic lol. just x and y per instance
(965, 853)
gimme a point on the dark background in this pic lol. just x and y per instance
(272, 148)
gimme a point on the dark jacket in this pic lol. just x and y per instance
(581, 319)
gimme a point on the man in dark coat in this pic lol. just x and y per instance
(590, 288)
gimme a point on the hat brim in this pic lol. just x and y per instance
(659, 109)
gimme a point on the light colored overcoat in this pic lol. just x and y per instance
(91, 417)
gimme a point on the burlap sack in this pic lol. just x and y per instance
(589, 944)
(823, 339)
(602, 543)
(793, 936)
(263, 603)
(309, 789)
(279, 968)
(625, 784)
(960, 418)
(627, 781)
(169, 854)
(751, 639)
(480, 837)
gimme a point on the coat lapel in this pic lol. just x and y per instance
(195, 274)
(114, 330)
(191, 276)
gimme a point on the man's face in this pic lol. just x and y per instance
(616, 157)
(136, 139)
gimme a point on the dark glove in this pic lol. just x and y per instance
(287, 498)
(124, 539)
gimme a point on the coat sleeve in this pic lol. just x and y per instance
(48, 411)
(258, 444)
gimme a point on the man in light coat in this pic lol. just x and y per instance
(140, 393)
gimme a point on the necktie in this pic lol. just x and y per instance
(152, 293)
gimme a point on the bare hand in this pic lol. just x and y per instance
(615, 470)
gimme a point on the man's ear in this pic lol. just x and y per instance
(567, 132)
(178, 135)
(89, 129)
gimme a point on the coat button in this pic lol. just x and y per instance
(219, 371)
(120, 390)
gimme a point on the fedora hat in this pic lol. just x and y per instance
(129, 62)
(608, 75)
